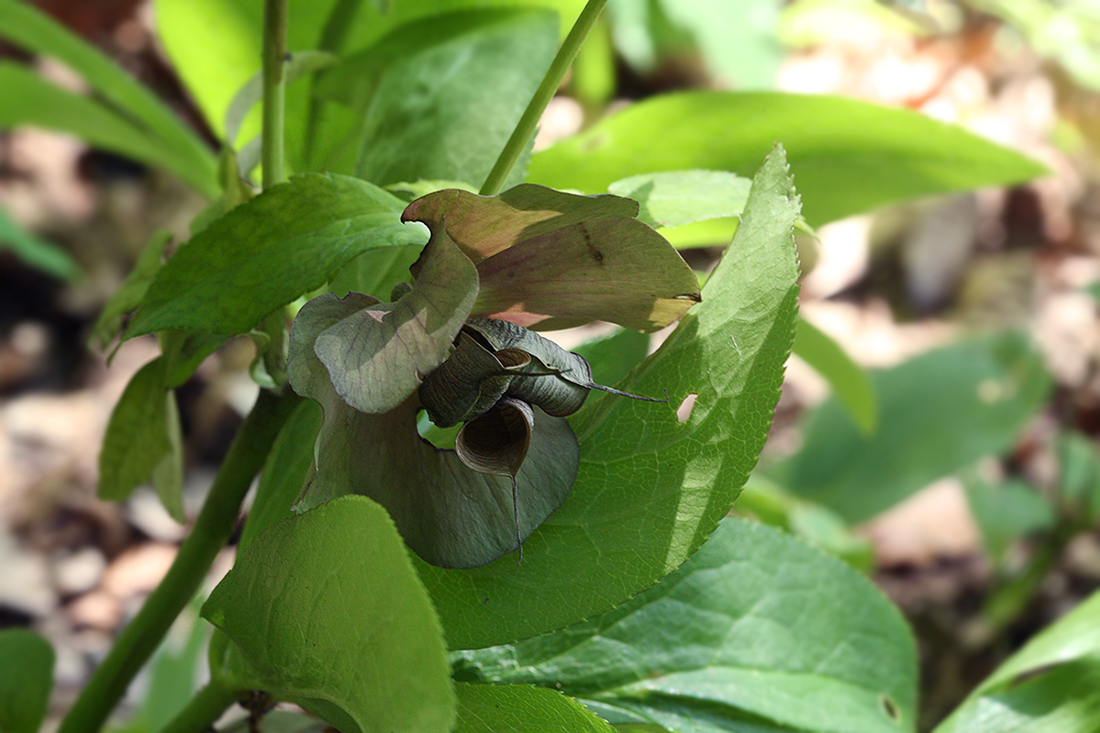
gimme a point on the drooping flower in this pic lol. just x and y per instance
(457, 345)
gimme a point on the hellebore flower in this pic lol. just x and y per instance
(457, 345)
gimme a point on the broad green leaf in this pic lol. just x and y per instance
(755, 625)
(137, 438)
(548, 259)
(1052, 684)
(651, 489)
(472, 73)
(173, 672)
(127, 297)
(521, 709)
(298, 65)
(284, 473)
(1007, 512)
(215, 45)
(470, 94)
(268, 251)
(447, 513)
(677, 198)
(175, 146)
(37, 253)
(375, 272)
(340, 624)
(937, 414)
(1063, 700)
(26, 678)
(850, 384)
(847, 156)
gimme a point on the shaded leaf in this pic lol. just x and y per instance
(755, 625)
(177, 147)
(548, 259)
(127, 297)
(26, 678)
(937, 413)
(849, 382)
(521, 709)
(1007, 512)
(848, 156)
(268, 251)
(137, 438)
(349, 634)
(612, 357)
(651, 489)
(439, 97)
(37, 253)
(168, 474)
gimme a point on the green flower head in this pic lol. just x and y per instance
(458, 345)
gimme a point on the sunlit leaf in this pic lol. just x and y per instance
(651, 488)
(548, 259)
(521, 709)
(349, 634)
(848, 156)
(756, 626)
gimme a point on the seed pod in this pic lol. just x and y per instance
(469, 382)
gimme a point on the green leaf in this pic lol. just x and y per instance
(1052, 684)
(215, 45)
(521, 709)
(127, 297)
(297, 66)
(937, 413)
(439, 97)
(268, 251)
(1079, 475)
(27, 99)
(612, 357)
(350, 631)
(548, 259)
(137, 438)
(651, 489)
(284, 473)
(26, 678)
(173, 145)
(1006, 513)
(375, 272)
(755, 625)
(847, 156)
(168, 474)
(35, 252)
(676, 198)
(850, 384)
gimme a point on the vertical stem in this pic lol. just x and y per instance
(525, 130)
(215, 523)
(274, 77)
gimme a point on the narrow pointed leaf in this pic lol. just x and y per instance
(848, 156)
(349, 634)
(650, 488)
(548, 259)
(676, 198)
(850, 384)
(268, 251)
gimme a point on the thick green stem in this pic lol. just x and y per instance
(525, 130)
(204, 709)
(274, 76)
(215, 523)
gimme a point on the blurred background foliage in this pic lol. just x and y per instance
(950, 451)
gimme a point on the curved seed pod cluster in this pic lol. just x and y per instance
(496, 359)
